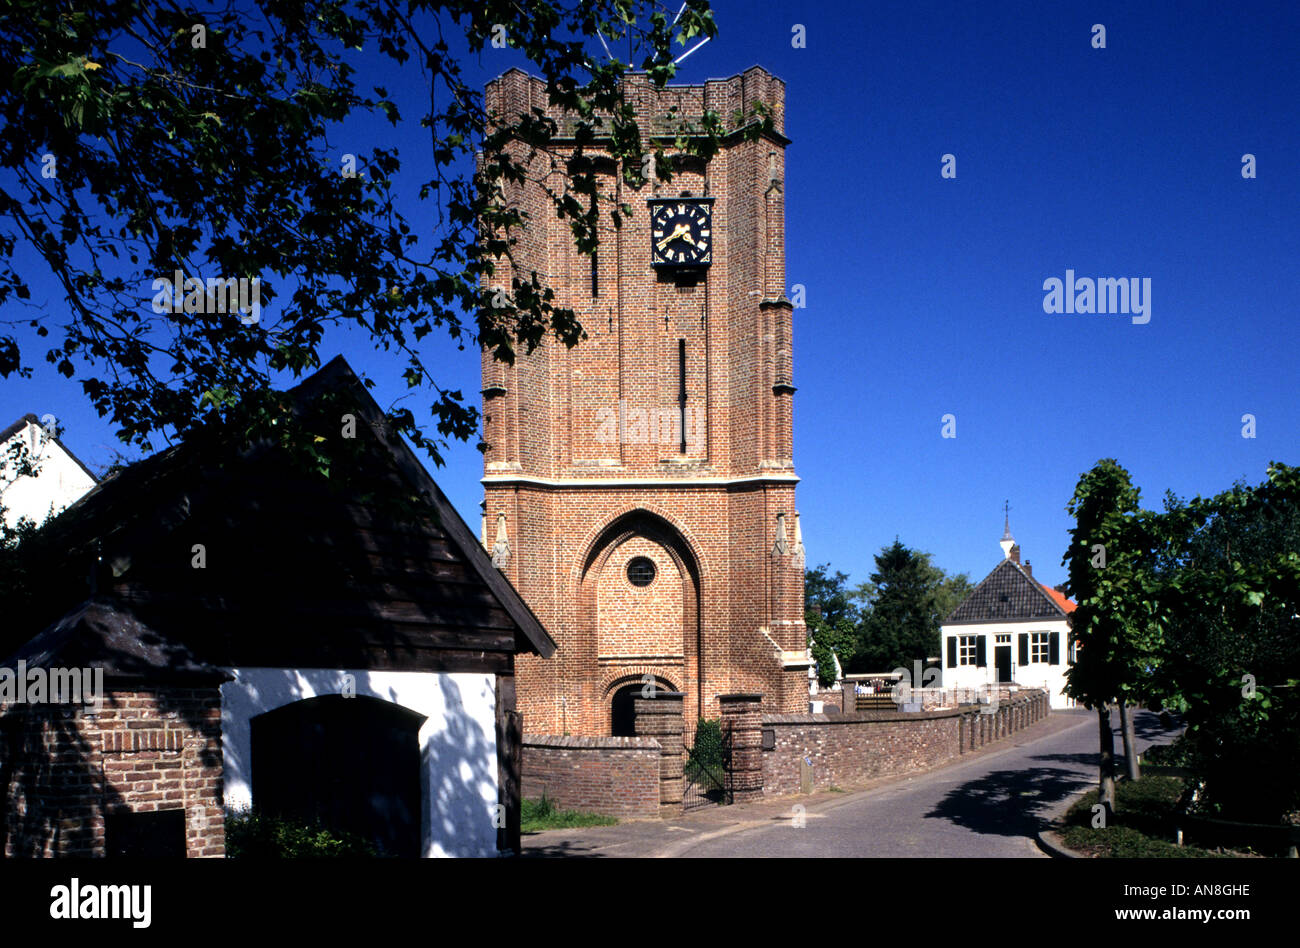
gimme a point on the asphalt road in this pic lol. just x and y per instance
(991, 806)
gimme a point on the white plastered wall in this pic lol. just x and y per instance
(458, 748)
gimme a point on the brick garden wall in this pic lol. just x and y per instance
(829, 698)
(852, 748)
(616, 776)
(63, 767)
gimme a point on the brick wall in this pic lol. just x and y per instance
(829, 698)
(62, 768)
(852, 748)
(616, 776)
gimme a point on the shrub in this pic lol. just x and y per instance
(252, 835)
(707, 751)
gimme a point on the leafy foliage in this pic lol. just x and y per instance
(707, 751)
(1197, 608)
(906, 610)
(1148, 808)
(142, 140)
(255, 836)
(885, 623)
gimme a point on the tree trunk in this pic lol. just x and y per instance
(1106, 786)
(1126, 731)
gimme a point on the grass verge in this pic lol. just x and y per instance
(1144, 826)
(542, 815)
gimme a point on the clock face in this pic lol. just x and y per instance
(681, 233)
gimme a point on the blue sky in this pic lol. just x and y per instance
(925, 295)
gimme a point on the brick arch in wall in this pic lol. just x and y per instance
(654, 630)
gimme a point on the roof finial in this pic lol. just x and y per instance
(1008, 541)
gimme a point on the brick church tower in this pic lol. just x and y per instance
(640, 487)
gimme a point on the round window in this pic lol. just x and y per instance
(641, 571)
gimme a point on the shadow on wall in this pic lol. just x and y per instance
(457, 743)
(53, 789)
(460, 767)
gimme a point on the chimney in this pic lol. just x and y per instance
(1015, 552)
(1029, 569)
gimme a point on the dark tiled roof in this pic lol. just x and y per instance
(106, 634)
(1007, 594)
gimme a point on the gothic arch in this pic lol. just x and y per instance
(618, 646)
(647, 522)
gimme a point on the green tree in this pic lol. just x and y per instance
(1228, 568)
(907, 599)
(833, 617)
(141, 139)
(1108, 560)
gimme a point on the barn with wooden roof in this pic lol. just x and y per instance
(1010, 630)
(307, 629)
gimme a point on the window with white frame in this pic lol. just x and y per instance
(1002, 638)
(1040, 647)
(966, 649)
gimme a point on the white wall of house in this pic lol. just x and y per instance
(1036, 674)
(60, 482)
(458, 746)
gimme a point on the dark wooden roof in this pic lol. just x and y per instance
(1008, 594)
(380, 572)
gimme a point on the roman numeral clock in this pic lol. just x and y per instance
(681, 233)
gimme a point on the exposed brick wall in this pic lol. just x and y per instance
(62, 768)
(829, 698)
(616, 776)
(848, 749)
(549, 417)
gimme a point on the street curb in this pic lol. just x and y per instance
(1048, 843)
(1049, 839)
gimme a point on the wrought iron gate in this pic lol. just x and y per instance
(708, 761)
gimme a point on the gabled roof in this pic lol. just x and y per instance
(30, 419)
(338, 375)
(1009, 594)
(298, 573)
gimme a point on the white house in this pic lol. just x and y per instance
(1011, 629)
(60, 480)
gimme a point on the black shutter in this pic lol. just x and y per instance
(981, 656)
(1055, 656)
(952, 651)
(1024, 648)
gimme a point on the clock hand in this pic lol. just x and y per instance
(671, 237)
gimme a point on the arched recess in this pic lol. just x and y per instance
(624, 652)
(621, 695)
(345, 762)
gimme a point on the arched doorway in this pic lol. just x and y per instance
(622, 704)
(622, 711)
(346, 763)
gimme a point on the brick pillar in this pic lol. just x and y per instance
(742, 720)
(660, 717)
(848, 698)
